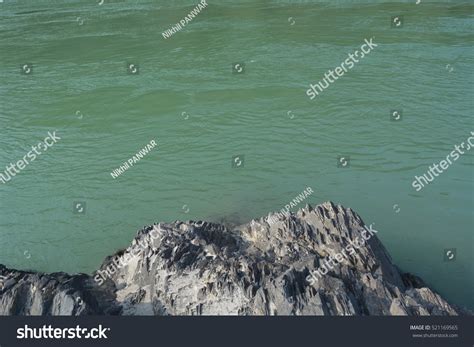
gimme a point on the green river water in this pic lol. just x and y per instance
(201, 114)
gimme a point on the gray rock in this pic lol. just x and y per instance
(36, 294)
(202, 268)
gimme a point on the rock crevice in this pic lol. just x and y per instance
(259, 268)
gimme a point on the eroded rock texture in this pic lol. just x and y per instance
(201, 268)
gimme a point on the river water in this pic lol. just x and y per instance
(232, 146)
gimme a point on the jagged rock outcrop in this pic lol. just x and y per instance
(201, 268)
(31, 293)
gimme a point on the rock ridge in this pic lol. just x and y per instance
(258, 268)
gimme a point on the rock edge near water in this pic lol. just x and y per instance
(202, 268)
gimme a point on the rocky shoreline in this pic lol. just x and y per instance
(202, 268)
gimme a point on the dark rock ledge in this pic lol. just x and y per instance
(201, 268)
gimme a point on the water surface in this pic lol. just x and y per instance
(202, 115)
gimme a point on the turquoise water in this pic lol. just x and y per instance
(186, 97)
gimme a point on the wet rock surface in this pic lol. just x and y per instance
(202, 268)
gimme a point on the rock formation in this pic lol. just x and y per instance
(201, 268)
